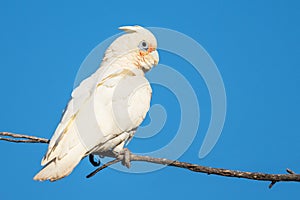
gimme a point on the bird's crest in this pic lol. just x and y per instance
(130, 29)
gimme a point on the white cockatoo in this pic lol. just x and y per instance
(106, 108)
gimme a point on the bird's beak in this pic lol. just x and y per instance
(155, 57)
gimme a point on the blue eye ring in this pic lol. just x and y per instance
(144, 45)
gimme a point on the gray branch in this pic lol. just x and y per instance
(258, 176)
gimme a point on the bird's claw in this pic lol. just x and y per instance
(93, 161)
(126, 157)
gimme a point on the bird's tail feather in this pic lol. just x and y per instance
(58, 168)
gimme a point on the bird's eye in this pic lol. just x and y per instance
(143, 45)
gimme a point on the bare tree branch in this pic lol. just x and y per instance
(28, 139)
(258, 176)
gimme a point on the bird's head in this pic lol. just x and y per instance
(137, 45)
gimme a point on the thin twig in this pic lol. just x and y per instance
(28, 138)
(20, 141)
(272, 184)
(290, 171)
(103, 167)
(273, 178)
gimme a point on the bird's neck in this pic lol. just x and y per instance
(109, 67)
(128, 62)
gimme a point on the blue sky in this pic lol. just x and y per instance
(255, 45)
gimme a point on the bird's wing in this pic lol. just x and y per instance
(65, 149)
(79, 95)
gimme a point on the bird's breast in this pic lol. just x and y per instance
(121, 103)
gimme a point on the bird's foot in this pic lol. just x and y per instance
(123, 155)
(93, 161)
(126, 157)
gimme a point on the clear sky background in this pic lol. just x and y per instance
(255, 45)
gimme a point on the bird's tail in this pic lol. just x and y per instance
(59, 168)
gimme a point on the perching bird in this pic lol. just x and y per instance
(105, 109)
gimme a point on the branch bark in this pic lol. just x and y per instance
(258, 176)
(13, 137)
